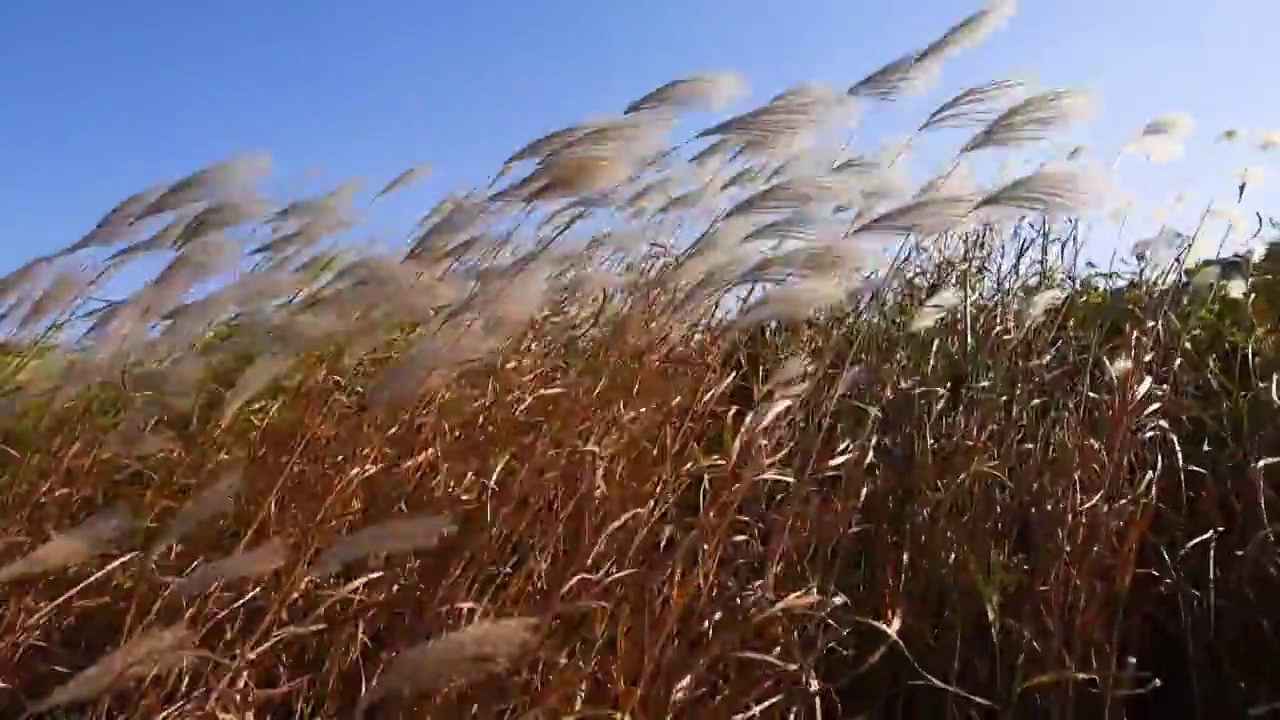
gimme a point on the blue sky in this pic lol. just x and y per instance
(100, 99)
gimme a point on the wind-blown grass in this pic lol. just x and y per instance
(739, 425)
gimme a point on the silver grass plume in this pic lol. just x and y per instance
(639, 134)
(303, 237)
(1162, 137)
(215, 500)
(974, 106)
(117, 223)
(934, 309)
(404, 179)
(480, 649)
(18, 282)
(810, 162)
(455, 218)
(210, 256)
(743, 178)
(912, 72)
(1061, 188)
(802, 226)
(261, 560)
(254, 380)
(1031, 120)
(165, 238)
(790, 379)
(331, 205)
(398, 535)
(188, 322)
(957, 180)
(1176, 124)
(599, 160)
(138, 434)
(796, 300)
(65, 288)
(789, 195)
(888, 185)
(713, 153)
(550, 143)
(704, 91)
(684, 202)
(798, 111)
(859, 166)
(650, 197)
(903, 76)
(154, 651)
(93, 537)
(212, 183)
(973, 29)
(925, 216)
(218, 217)
(1041, 303)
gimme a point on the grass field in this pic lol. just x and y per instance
(727, 425)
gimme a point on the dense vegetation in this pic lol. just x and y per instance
(744, 426)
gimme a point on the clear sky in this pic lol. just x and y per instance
(100, 98)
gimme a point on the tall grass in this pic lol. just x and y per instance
(740, 425)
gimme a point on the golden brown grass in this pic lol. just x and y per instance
(741, 426)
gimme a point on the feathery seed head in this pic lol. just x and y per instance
(973, 29)
(934, 309)
(91, 538)
(399, 535)
(706, 91)
(262, 560)
(1031, 120)
(975, 106)
(1172, 124)
(1055, 188)
(482, 648)
(153, 651)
